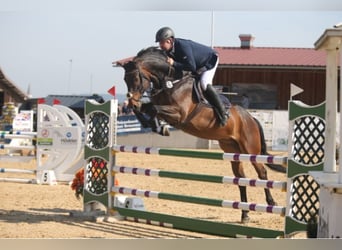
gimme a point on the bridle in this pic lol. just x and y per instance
(142, 76)
(140, 88)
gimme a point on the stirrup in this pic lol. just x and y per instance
(221, 117)
(223, 120)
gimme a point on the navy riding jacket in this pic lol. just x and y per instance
(191, 56)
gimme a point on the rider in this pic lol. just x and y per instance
(201, 60)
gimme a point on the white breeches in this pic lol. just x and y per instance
(207, 76)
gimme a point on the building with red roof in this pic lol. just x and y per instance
(265, 74)
(9, 92)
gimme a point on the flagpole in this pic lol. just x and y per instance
(91, 84)
(212, 29)
(69, 77)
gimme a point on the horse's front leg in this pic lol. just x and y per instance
(172, 115)
(145, 115)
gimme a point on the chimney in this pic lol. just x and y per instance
(246, 41)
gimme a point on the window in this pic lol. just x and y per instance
(260, 96)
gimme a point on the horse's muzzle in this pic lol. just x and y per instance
(132, 102)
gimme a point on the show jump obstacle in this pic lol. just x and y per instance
(58, 145)
(306, 153)
(311, 172)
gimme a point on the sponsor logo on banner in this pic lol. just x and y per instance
(68, 139)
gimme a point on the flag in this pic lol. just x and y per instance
(112, 91)
(56, 101)
(41, 101)
(295, 90)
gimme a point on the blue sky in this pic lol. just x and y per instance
(58, 49)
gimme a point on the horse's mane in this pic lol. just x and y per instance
(154, 57)
(151, 51)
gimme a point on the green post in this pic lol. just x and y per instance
(100, 123)
(306, 153)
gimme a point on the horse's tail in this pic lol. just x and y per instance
(275, 167)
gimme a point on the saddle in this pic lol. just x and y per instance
(197, 90)
(198, 93)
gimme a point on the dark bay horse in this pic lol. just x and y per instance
(175, 102)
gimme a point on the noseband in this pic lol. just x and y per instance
(140, 88)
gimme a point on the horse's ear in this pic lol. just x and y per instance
(124, 64)
(119, 63)
(129, 65)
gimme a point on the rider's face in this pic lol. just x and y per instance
(166, 44)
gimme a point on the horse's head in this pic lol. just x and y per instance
(137, 83)
(148, 67)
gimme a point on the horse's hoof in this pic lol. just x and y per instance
(245, 220)
(164, 131)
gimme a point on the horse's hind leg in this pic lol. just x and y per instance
(238, 172)
(262, 174)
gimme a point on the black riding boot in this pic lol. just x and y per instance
(215, 100)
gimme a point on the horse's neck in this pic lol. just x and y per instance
(157, 76)
(181, 103)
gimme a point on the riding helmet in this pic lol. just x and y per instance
(164, 33)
